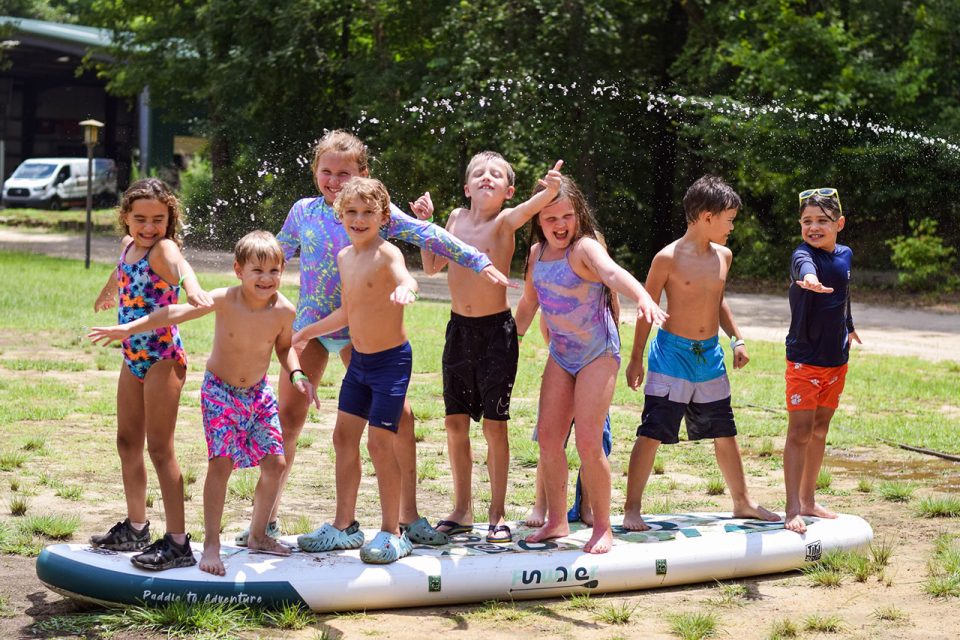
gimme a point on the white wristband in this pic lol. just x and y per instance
(736, 342)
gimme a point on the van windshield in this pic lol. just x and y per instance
(34, 171)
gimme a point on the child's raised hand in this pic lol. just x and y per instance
(200, 299)
(634, 373)
(403, 295)
(305, 387)
(423, 207)
(106, 299)
(553, 179)
(105, 335)
(811, 282)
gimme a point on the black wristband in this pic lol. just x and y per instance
(295, 371)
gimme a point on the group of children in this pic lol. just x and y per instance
(353, 288)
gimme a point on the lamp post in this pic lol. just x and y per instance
(91, 131)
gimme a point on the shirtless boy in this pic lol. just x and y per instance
(376, 286)
(481, 351)
(240, 418)
(688, 378)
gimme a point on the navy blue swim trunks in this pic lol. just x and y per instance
(375, 386)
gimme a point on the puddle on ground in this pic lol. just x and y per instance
(938, 474)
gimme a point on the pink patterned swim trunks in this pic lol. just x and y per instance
(240, 423)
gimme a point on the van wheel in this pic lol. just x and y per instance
(55, 203)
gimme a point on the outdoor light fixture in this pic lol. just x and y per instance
(91, 131)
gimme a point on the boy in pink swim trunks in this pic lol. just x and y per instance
(240, 418)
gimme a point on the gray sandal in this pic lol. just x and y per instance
(420, 532)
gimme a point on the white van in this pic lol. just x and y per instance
(56, 183)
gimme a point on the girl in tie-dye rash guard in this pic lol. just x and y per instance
(570, 278)
(312, 227)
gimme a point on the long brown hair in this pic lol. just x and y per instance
(153, 189)
(340, 141)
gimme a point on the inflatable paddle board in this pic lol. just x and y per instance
(679, 549)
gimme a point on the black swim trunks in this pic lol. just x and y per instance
(480, 365)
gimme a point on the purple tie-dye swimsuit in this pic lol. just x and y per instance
(312, 226)
(581, 325)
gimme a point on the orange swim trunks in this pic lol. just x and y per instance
(809, 387)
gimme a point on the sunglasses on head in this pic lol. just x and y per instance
(826, 192)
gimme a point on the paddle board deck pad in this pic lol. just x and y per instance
(679, 549)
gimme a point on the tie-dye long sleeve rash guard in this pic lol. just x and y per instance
(313, 227)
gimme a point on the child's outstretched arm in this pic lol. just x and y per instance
(656, 280)
(163, 317)
(183, 272)
(407, 291)
(290, 363)
(595, 257)
(436, 240)
(333, 322)
(529, 303)
(521, 214)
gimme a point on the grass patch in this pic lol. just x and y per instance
(766, 449)
(823, 624)
(243, 483)
(865, 485)
(18, 506)
(299, 526)
(43, 365)
(10, 460)
(34, 443)
(427, 469)
(824, 479)
(944, 568)
(890, 614)
(896, 491)
(306, 440)
(189, 474)
(938, 507)
(880, 553)
(729, 595)
(291, 616)
(53, 526)
(693, 625)
(616, 613)
(496, 611)
(783, 629)
(69, 492)
(580, 601)
(822, 576)
(715, 486)
(659, 466)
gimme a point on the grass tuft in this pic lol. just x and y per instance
(694, 625)
(34, 443)
(616, 613)
(824, 479)
(944, 568)
(580, 601)
(10, 460)
(496, 611)
(659, 466)
(243, 484)
(18, 506)
(729, 595)
(890, 614)
(938, 507)
(293, 616)
(69, 492)
(865, 485)
(53, 526)
(823, 624)
(896, 491)
(783, 629)
(715, 486)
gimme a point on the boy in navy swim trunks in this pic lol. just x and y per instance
(687, 378)
(376, 287)
(240, 418)
(818, 347)
(481, 351)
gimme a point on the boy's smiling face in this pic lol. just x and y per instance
(361, 219)
(489, 181)
(818, 229)
(260, 278)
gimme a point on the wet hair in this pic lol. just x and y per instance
(710, 194)
(259, 245)
(152, 189)
(486, 156)
(370, 190)
(340, 141)
(827, 204)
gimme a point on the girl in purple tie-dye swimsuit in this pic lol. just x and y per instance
(571, 279)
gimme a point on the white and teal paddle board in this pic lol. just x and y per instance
(679, 549)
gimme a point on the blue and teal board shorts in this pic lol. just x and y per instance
(686, 379)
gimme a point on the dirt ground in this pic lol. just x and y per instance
(922, 334)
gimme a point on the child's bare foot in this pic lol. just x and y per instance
(266, 544)
(210, 561)
(537, 517)
(794, 522)
(600, 542)
(549, 531)
(753, 511)
(817, 510)
(633, 521)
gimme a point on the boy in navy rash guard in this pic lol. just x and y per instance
(818, 346)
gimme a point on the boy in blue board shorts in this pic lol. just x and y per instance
(688, 379)
(818, 347)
